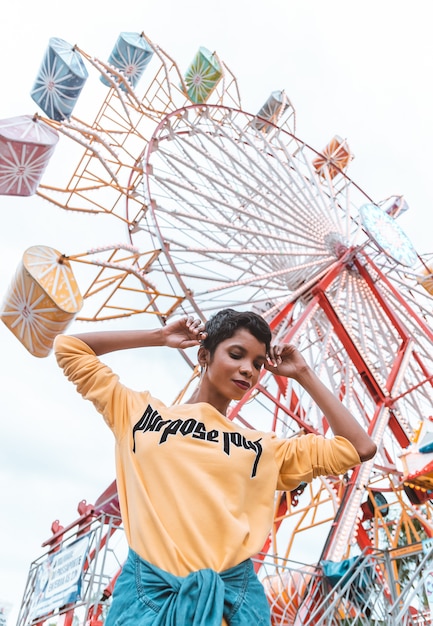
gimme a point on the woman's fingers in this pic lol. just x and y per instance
(196, 326)
(276, 353)
(274, 356)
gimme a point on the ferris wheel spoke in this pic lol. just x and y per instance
(224, 149)
(257, 182)
(223, 205)
(328, 205)
(239, 231)
(253, 148)
(239, 235)
(186, 161)
(303, 182)
(368, 318)
(290, 196)
(215, 275)
(302, 185)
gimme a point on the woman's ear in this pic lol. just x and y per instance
(203, 357)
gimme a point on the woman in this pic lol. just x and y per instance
(197, 491)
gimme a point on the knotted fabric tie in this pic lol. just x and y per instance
(196, 600)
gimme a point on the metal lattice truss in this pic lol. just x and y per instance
(119, 286)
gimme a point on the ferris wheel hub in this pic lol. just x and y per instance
(336, 244)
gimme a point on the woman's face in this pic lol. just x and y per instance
(235, 365)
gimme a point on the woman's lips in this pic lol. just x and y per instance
(242, 384)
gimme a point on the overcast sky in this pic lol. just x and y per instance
(360, 70)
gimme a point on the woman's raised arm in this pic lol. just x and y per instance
(286, 360)
(184, 333)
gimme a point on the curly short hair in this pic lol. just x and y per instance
(226, 322)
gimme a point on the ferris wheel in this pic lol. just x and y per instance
(225, 208)
(260, 219)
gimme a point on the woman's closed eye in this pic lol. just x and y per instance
(257, 364)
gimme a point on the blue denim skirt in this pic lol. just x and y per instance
(145, 595)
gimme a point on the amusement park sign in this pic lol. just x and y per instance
(59, 578)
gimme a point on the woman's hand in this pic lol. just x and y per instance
(286, 360)
(184, 333)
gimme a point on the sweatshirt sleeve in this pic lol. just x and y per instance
(303, 458)
(96, 382)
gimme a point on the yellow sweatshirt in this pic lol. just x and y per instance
(195, 490)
